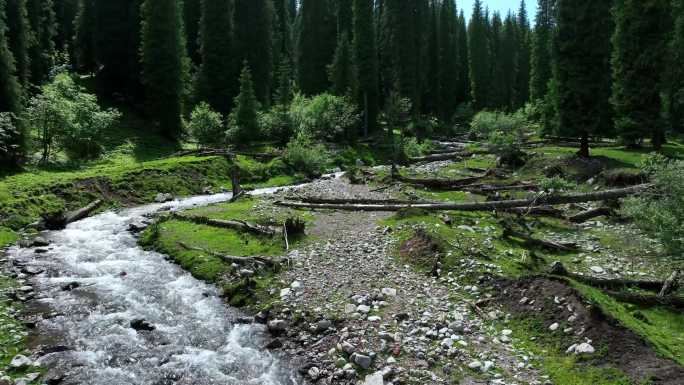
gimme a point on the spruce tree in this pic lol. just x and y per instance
(341, 70)
(676, 95)
(464, 60)
(344, 16)
(508, 58)
(284, 92)
(478, 53)
(216, 81)
(282, 37)
(41, 16)
(244, 118)
(542, 40)
(84, 39)
(496, 98)
(65, 13)
(117, 42)
(10, 99)
(639, 53)
(254, 42)
(316, 42)
(163, 63)
(366, 63)
(582, 69)
(192, 13)
(19, 38)
(522, 78)
(432, 92)
(448, 59)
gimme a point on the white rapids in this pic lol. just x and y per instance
(195, 341)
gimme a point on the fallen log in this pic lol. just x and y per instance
(530, 241)
(442, 184)
(439, 157)
(539, 200)
(226, 224)
(558, 269)
(205, 152)
(232, 259)
(590, 214)
(647, 300)
(484, 189)
(355, 201)
(82, 213)
(544, 211)
(671, 284)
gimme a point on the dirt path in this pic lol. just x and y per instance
(348, 299)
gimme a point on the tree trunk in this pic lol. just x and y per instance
(480, 206)
(590, 214)
(584, 145)
(671, 284)
(224, 224)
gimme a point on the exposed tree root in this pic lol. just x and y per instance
(590, 214)
(558, 269)
(530, 241)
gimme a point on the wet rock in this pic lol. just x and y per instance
(322, 326)
(277, 326)
(45, 350)
(71, 286)
(137, 227)
(274, 344)
(40, 242)
(244, 320)
(20, 362)
(32, 270)
(374, 379)
(163, 197)
(362, 360)
(141, 325)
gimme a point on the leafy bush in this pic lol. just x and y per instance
(66, 115)
(556, 183)
(206, 125)
(303, 155)
(486, 122)
(423, 127)
(276, 123)
(10, 139)
(463, 115)
(244, 119)
(413, 148)
(660, 213)
(324, 117)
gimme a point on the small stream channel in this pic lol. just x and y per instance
(195, 340)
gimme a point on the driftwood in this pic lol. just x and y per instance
(206, 152)
(539, 200)
(231, 259)
(84, 212)
(529, 240)
(439, 157)
(226, 224)
(544, 211)
(484, 189)
(356, 201)
(647, 299)
(590, 214)
(671, 284)
(441, 184)
(558, 269)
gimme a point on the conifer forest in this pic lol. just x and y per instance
(341, 192)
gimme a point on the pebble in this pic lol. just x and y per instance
(20, 361)
(554, 326)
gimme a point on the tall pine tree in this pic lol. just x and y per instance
(254, 43)
(676, 94)
(366, 63)
(479, 56)
(582, 69)
(448, 59)
(85, 36)
(19, 38)
(464, 60)
(496, 98)
(163, 63)
(542, 41)
(41, 16)
(192, 13)
(341, 70)
(216, 81)
(522, 76)
(316, 42)
(640, 48)
(65, 13)
(508, 57)
(12, 143)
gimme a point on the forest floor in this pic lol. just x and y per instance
(409, 297)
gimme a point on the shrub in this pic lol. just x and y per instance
(324, 117)
(486, 122)
(303, 155)
(413, 148)
(65, 115)
(10, 140)
(276, 124)
(660, 213)
(206, 125)
(556, 183)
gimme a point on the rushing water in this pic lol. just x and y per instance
(195, 340)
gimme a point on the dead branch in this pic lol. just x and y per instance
(530, 241)
(671, 284)
(231, 259)
(558, 269)
(226, 224)
(590, 214)
(539, 200)
(84, 212)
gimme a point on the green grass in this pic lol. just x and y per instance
(12, 332)
(562, 368)
(663, 328)
(7, 237)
